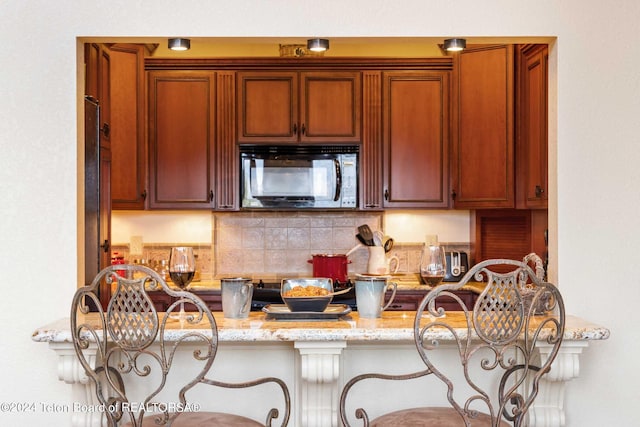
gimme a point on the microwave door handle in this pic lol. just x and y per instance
(338, 180)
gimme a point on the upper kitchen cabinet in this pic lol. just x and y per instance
(181, 139)
(531, 129)
(415, 139)
(128, 153)
(298, 107)
(482, 131)
(97, 83)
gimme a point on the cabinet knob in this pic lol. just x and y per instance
(386, 194)
(539, 191)
(295, 128)
(304, 129)
(105, 246)
(211, 195)
(144, 194)
(453, 194)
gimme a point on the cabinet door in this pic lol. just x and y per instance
(483, 142)
(128, 154)
(416, 139)
(330, 107)
(267, 106)
(181, 139)
(290, 107)
(531, 150)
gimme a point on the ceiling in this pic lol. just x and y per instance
(208, 47)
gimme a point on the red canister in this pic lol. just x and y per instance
(333, 267)
(118, 259)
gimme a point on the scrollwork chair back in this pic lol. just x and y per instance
(131, 344)
(515, 311)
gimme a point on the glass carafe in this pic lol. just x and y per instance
(433, 264)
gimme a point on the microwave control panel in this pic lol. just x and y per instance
(349, 164)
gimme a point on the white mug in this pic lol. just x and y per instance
(236, 297)
(370, 293)
(378, 262)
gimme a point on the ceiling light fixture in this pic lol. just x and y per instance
(179, 44)
(454, 45)
(318, 45)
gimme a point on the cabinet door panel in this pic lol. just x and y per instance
(416, 139)
(181, 135)
(268, 107)
(483, 172)
(92, 52)
(532, 145)
(331, 107)
(128, 180)
(275, 107)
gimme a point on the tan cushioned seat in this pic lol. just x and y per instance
(430, 417)
(203, 419)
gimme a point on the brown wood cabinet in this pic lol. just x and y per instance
(531, 129)
(162, 301)
(128, 147)
(290, 106)
(97, 85)
(97, 164)
(409, 300)
(415, 139)
(482, 137)
(182, 128)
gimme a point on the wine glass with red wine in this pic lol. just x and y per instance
(182, 268)
(433, 264)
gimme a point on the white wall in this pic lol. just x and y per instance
(598, 241)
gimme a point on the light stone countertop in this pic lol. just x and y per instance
(393, 326)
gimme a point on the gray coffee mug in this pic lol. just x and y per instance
(370, 293)
(236, 297)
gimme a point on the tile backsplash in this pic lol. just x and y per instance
(276, 244)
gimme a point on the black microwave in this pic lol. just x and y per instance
(299, 177)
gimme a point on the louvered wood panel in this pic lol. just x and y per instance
(501, 234)
(371, 155)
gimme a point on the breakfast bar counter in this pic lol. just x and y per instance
(315, 357)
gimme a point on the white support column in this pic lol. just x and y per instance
(85, 410)
(317, 403)
(548, 408)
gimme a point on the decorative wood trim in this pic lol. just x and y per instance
(371, 155)
(299, 64)
(226, 151)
